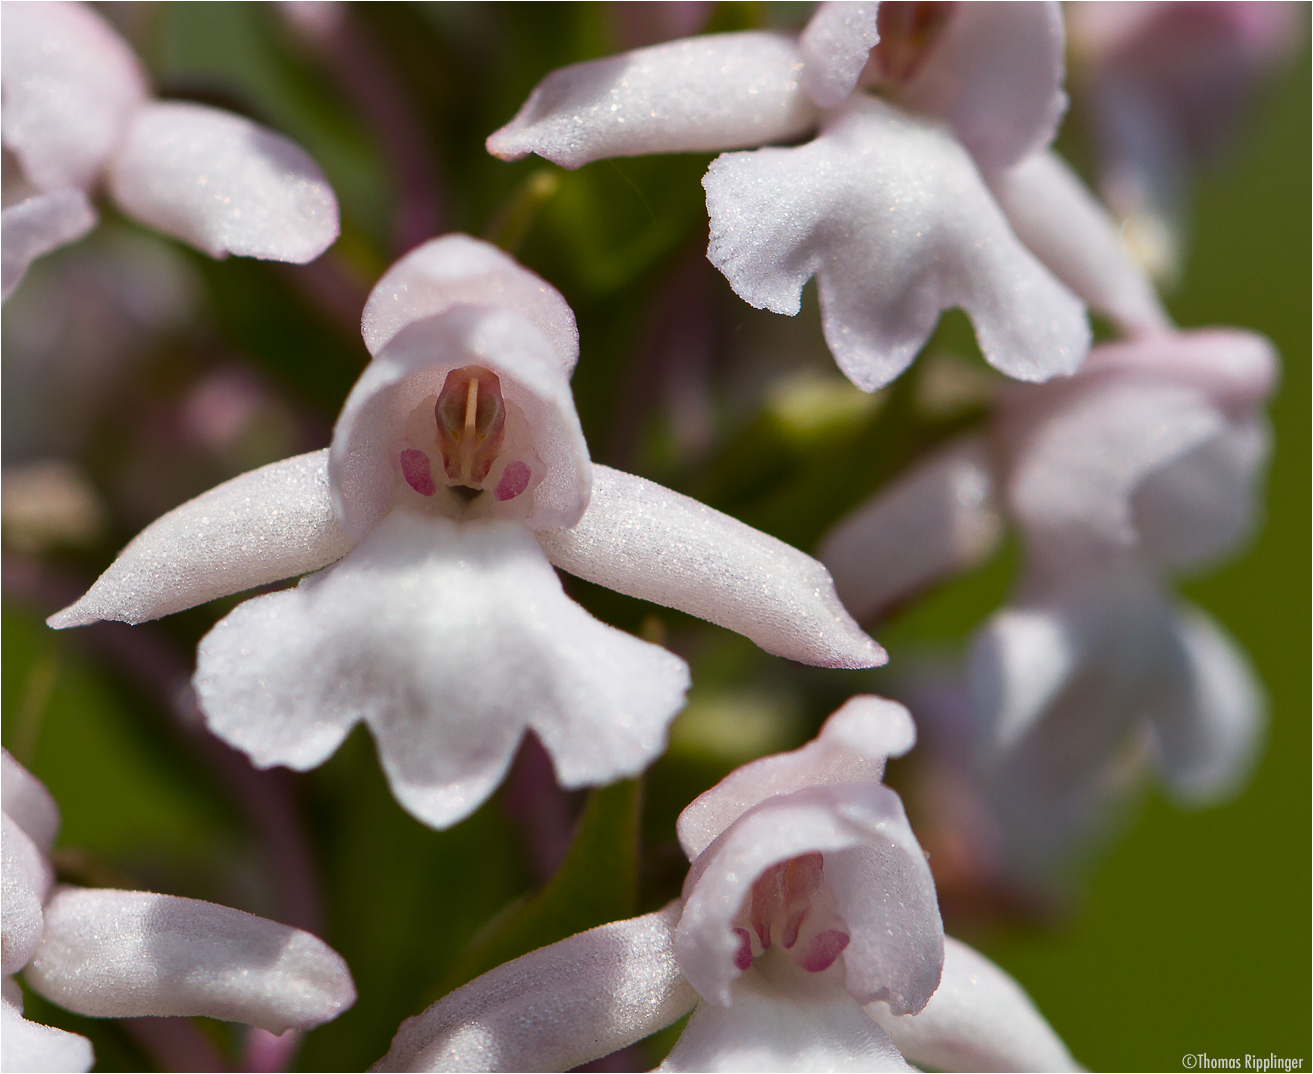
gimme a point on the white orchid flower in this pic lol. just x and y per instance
(132, 954)
(458, 475)
(808, 937)
(78, 115)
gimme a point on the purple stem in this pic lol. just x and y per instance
(265, 1051)
(545, 813)
(175, 1044)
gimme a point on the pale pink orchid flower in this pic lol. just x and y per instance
(457, 477)
(133, 954)
(904, 201)
(1146, 462)
(78, 115)
(808, 937)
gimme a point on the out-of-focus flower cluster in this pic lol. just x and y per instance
(513, 621)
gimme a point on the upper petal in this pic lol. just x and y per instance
(27, 802)
(33, 1047)
(129, 954)
(978, 1019)
(71, 86)
(1066, 227)
(721, 91)
(269, 524)
(554, 1008)
(935, 520)
(835, 47)
(852, 747)
(873, 865)
(34, 227)
(448, 639)
(414, 365)
(646, 541)
(224, 184)
(893, 219)
(995, 75)
(460, 270)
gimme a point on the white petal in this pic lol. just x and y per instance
(835, 47)
(26, 877)
(27, 802)
(34, 227)
(71, 86)
(449, 640)
(978, 1019)
(935, 520)
(1066, 227)
(893, 219)
(648, 542)
(30, 1046)
(774, 1028)
(708, 93)
(995, 74)
(414, 365)
(130, 954)
(852, 747)
(873, 865)
(224, 184)
(1079, 464)
(1210, 756)
(455, 270)
(272, 523)
(554, 1008)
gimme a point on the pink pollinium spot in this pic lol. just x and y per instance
(743, 956)
(822, 949)
(514, 480)
(418, 473)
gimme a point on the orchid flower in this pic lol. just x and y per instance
(888, 205)
(807, 938)
(458, 475)
(1143, 463)
(130, 954)
(78, 114)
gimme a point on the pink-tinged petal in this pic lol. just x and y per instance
(272, 523)
(701, 94)
(34, 227)
(1066, 228)
(414, 365)
(936, 520)
(27, 802)
(460, 270)
(130, 954)
(873, 866)
(224, 184)
(894, 220)
(554, 1008)
(71, 87)
(26, 877)
(835, 47)
(781, 1026)
(449, 640)
(648, 542)
(995, 75)
(978, 1019)
(851, 748)
(33, 1047)
(1209, 756)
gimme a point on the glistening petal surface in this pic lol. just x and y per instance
(224, 184)
(27, 802)
(893, 219)
(554, 1008)
(643, 540)
(25, 877)
(32, 1047)
(449, 640)
(38, 225)
(131, 954)
(721, 91)
(835, 47)
(272, 523)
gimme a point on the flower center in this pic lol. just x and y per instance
(465, 442)
(907, 33)
(792, 907)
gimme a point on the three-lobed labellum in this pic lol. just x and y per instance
(790, 906)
